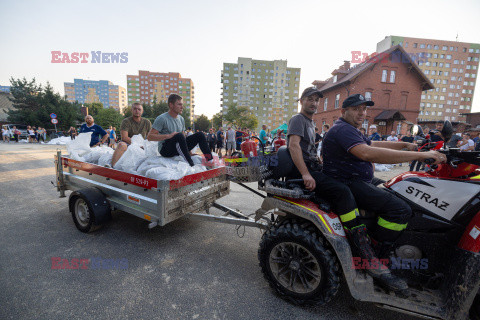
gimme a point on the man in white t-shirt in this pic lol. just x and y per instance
(392, 137)
(466, 144)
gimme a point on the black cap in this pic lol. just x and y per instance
(356, 100)
(311, 91)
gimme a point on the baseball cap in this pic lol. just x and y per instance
(356, 100)
(373, 126)
(311, 91)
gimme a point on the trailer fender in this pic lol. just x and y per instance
(96, 202)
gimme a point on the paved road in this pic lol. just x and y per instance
(185, 270)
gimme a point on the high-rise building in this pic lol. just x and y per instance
(147, 85)
(88, 91)
(451, 66)
(5, 89)
(268, 88)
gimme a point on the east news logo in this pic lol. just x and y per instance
(83, 57)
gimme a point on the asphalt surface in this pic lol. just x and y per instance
(185, 270)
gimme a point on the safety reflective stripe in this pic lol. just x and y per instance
(349, 216)
(476, 177)
(318, 214)
(391, 225)
(236, 160)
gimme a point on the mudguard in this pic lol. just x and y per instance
(96, 201)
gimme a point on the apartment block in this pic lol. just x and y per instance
(88, 91)
(451, 66)
(147, 85)
(268, 88)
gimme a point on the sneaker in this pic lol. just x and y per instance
(361, 244)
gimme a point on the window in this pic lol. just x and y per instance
(337, 100)
(334, 78)
(368, 96)
(415, 45)
(384, 75)
(392, 76)
(325, 104)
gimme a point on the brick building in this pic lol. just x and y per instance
(451, 65)
(392, 80)
(473, 119)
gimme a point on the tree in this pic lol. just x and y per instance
(93, 108)
(33, 105)
(217, 120)
(202, 123)
(240, 117)
(108, 117)
(186, 116)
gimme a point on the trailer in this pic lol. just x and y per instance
(97, 190)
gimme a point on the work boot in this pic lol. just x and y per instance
(361, 244)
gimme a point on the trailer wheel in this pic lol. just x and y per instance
(297, 263)
(89, 208)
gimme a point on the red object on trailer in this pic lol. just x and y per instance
(278, 143)
(249, 148)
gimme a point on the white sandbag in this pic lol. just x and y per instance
(95, 153)
(382, 167)
(105, 159)
(162, 173)
(151, 148)
(81, 145)
(131, 159)
(58, 141)
(149, 163)
(138, 140)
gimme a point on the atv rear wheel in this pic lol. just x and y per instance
(297, 263)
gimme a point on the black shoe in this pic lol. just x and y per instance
(361, 243)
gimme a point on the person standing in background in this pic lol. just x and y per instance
(220, 138)
(230, 141)
(211, 139)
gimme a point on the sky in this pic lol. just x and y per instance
(196, 37)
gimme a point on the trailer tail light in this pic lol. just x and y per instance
(470, 240)
(147, 217)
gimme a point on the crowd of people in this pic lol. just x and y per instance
(33, 134)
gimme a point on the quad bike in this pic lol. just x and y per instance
(304, 254)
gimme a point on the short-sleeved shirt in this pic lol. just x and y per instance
(300, 125)
(338, 162)
(133, 127)
(407, 139)
(375, 137)
(231, 135)
(220, 136)
(467, 145)
(96, 130)
(263, 136)
(166, 124)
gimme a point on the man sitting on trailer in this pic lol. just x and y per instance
(168, 130)
(131, 126)
(96, 130)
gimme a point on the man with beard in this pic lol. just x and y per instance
(131, 126)
(96, 131)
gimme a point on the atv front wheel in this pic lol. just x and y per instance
(297, 263)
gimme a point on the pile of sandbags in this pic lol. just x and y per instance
(61, 140)
(141, 158)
